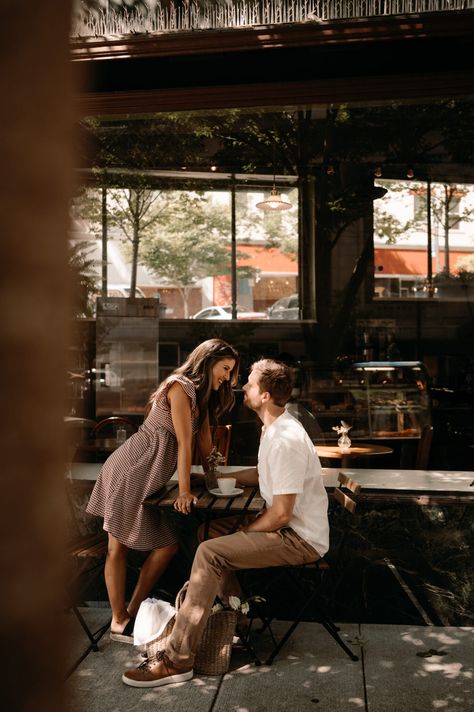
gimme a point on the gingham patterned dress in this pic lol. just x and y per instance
(138, 468)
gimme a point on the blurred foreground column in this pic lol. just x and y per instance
(36, 151)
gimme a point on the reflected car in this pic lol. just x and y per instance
(122, 290)
(216, 312)
(285, 308)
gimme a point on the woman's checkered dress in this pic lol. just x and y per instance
(138, 468)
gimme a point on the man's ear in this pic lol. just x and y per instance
(266, 397)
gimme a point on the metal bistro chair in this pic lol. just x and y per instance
(108, 426)
(220, 435)
(86, 552)
(424, 448)
(311, 584)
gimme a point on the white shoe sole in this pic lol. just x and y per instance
(119, 638)
(182, 677)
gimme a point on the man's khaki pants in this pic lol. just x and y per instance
(212, 575)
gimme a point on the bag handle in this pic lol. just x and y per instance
(180, 596)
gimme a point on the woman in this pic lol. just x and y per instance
(181, 408)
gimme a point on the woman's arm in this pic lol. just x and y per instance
(204, 443)
(182, 422)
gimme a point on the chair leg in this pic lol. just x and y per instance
(86, 629)
(245, 640)
(332, 630)
(93, 638)
(324, 619)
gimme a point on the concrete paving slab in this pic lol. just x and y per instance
(311, 672)
(418, 668)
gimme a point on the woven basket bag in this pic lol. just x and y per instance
(214, 650)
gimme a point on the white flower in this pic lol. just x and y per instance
(217, 607)
(234, 603)
(245, 608)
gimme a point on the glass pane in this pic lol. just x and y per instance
(401, 240)
(268, 256)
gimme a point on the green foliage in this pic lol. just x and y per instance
(444, 202)
(465, 264)
(191, 241)
(83, 279)
(462, 276)
(134, 210)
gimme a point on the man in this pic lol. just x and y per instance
(292, 530)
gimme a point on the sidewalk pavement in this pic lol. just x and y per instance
(400, 667)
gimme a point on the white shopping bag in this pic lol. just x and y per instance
(152, 618)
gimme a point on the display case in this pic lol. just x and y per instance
(395, 394)
(378, 399)
(328, 396)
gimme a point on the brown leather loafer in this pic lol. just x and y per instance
(154, 672)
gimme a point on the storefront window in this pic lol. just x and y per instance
(160, 224)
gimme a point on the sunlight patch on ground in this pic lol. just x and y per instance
(451, 670)
(444, 638)
(410, 638)
(357, 701)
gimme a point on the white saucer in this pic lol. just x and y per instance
(217, 493)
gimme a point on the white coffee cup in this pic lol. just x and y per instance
(226, 484)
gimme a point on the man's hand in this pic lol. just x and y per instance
(276, 516)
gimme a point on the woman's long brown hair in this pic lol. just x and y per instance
(198, 368)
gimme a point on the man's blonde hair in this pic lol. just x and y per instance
(275, 378)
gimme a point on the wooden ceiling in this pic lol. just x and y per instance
(376, 59)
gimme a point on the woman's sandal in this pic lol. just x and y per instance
(126, 636)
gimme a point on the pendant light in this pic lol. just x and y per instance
(274, 200)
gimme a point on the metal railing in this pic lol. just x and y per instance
(103, 18)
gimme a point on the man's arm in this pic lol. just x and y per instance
(276, 516)
(247, 477)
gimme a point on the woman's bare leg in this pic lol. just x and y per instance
(115, 577)
(155, 565)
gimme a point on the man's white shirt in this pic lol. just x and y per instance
(288, 464)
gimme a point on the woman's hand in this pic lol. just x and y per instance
(184, 502)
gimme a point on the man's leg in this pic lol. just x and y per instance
(214, 557)
(223, 526)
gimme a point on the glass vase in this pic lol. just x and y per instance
(210, 479)
(344, 442)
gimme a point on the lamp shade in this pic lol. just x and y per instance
(274, 202)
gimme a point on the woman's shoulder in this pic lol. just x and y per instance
(182, 380)
(186, 384)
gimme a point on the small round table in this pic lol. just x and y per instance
(334, 452)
